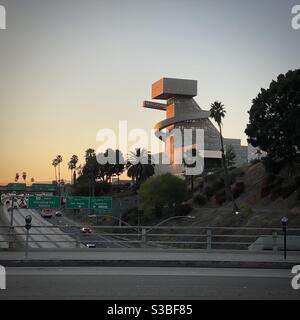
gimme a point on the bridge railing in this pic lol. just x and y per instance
(190, 237)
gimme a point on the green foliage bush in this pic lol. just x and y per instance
(209, 191)
(160, 191)
(288, 190)
(276, 193)
(238, 189)
(220, 197)
(217, 185)
(83, 189)
(272, 166)
(200, 199)
(265, 191)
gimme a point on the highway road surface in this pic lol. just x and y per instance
(50, 238)
(46, 238)
(147, 283)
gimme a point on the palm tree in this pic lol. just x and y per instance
(72, 165)
(24, 176)
(59, 161)
(119, 167)
(217, 112)
(17, 177)
(139, 165)
(91, 169)
(55, 164)
(32, 180)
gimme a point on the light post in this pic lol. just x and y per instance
(284, 222)
(12, 212)
(11, 227)
(236, 209)
(28, 220)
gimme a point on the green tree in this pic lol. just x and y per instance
(119, 167)
(91, 169)
(230, 155)
(161, 191)
(139, 166)
(274, 118)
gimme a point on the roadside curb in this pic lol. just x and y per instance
(148, 263)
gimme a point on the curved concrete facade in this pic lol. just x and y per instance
(183, 112)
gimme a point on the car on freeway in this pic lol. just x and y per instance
(86, 230)
(47, 213)
(58, 214)
(90, 245)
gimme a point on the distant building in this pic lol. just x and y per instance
(183, 112)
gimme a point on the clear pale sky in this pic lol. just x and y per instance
(71, 67)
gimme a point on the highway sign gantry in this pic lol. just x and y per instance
(16, 187)
(77, 202)
(101, 203)
(41, 187)
(44, 202)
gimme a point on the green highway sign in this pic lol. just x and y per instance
(44, 202)
(77, 202)
(41, 187)
(102, 203)
(16, 187)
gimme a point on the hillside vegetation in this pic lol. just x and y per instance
(265, 192)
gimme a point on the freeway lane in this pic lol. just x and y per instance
(148, 283)
(55, 236)
(62, 237)
(94, 238)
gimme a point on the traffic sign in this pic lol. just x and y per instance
(41, 187)
(102, 203)
(44, 202)
(77, 202)
(16, 187)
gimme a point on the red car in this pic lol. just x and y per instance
(86, 230)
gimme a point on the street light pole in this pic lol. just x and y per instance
(12, 212)
(284, 222)
(11, 227)
(28, 220)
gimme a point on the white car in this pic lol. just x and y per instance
(90, 245)
(58, 214)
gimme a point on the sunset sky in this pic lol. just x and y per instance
(71, 67)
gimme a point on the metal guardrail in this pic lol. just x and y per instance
(192, 237)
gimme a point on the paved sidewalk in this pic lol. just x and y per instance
(151, 257)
